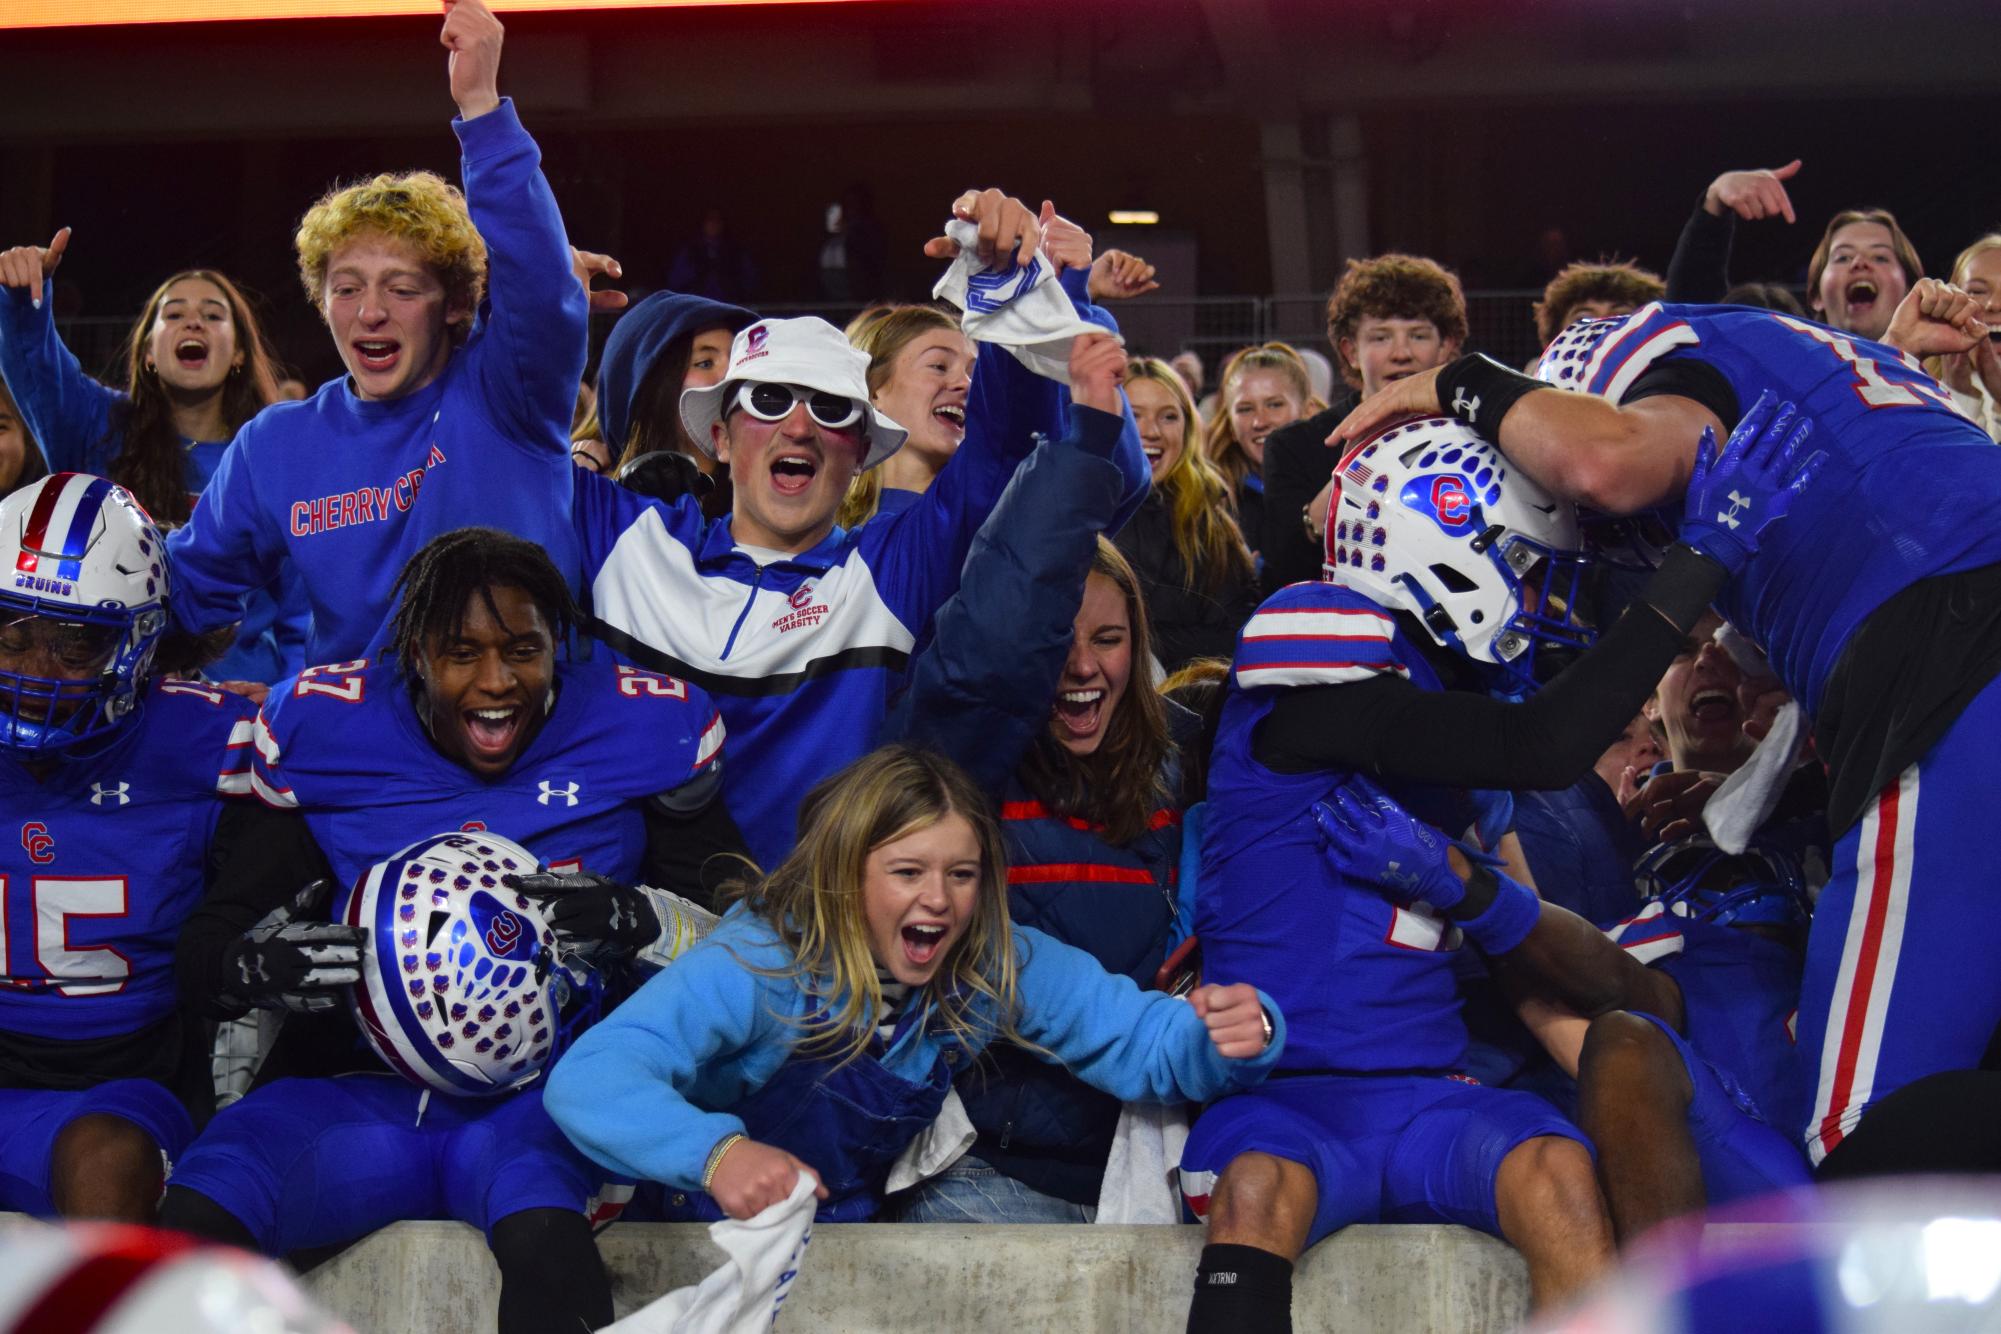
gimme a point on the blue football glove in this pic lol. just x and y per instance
(1733, 499)
(1373, 838)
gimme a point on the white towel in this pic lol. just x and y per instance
(1024, 310)
(746, 1292)
(1740, 807)
(1747, 798)
(936, 1147)
(1143, 1169)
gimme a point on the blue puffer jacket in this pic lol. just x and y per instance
(1036, 1122)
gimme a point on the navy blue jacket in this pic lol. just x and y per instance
(981, 694)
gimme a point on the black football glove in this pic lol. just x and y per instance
(287, 964)
(598, 918)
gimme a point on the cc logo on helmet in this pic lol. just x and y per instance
(502, 933)
(1450, 502)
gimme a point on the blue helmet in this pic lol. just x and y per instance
(84, 589)
(1693, 878)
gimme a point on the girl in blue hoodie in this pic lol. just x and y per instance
(819, 1028)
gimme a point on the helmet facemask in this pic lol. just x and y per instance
(82, 585)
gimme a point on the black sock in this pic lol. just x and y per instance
(186, 1210)
(1948, 1122)
(1241, 1290)
(552, 1280)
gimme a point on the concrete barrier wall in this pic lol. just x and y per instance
(437, 1278)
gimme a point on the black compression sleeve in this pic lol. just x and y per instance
(258, 860)
(1685, 377)
(1700, 268)
(1390, 727)
(695, 854)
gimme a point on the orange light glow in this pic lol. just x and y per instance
(89, 13)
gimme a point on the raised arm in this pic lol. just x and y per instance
(533, 330)
(67, 412)
(982, 689)
(229, 545)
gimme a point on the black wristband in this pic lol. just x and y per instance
(1479, 390)
(1684, 586)
(1481, 887)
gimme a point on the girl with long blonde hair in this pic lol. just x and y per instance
(1262, 389)
(817, 1030)
(920, 368)
(1193, 564)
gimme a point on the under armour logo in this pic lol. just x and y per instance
(1738, 502)
(99, 794)
(550, 793)
(1462, 406)
(1395, 876)
(250, 968)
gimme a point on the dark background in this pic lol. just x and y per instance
(1470, 129)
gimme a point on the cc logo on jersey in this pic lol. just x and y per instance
(37, 843)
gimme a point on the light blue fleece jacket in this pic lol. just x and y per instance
(647, 1093)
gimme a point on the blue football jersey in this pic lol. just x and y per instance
(344, 744)
(105, 860)
(1909, 489)
(1740, 993)
(1365, 984)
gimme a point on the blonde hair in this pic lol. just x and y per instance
(882, 332)
(1991, 241)
(814, 900)
(1197, 497)
(1221, 440)
(420, 208)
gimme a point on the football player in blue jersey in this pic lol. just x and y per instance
(1677, 1023)
(1452, 579)
(115, 783)
(1897, 551)
(471, 724)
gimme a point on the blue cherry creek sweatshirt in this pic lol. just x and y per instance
(650, 1090)
(79, 424)
(350, 489)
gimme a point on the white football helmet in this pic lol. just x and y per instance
(456, 983)
(1430, 518)
(83, 589)
(107, 1278)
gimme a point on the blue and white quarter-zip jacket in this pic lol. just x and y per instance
(802, 654)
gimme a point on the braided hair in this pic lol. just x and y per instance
(441, 580)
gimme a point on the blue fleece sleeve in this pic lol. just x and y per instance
(1138, 1046)
(67, 412)
(229, 545)
(626, 1093)
(916, 555)
(534, 326)
(981, 691)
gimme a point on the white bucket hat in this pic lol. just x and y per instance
(808, 352)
